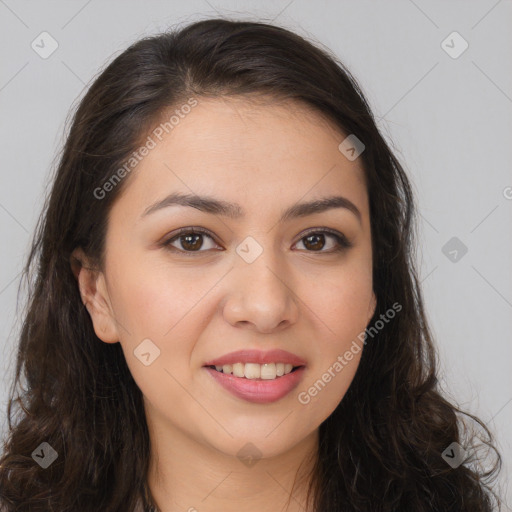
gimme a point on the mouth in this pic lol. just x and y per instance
(261, 389)
(251, 371)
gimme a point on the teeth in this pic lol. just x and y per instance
(252, 371)
(268, 371)
(238, 370)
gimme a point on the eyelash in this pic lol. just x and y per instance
(342, 241)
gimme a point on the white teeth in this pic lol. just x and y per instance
(267, 371)
(238, 370)
(252, 371)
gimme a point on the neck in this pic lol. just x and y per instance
(186, 475)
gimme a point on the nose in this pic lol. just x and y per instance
(260, 295)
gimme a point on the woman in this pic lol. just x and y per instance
(226, 312)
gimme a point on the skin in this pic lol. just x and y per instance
(294, 296)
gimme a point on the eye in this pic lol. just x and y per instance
(315, 240)
(190, 240)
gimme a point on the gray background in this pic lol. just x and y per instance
(449, 120)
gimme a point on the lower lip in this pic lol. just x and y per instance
(258, 391)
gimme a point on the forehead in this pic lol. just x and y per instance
(250, 152)
(230, 129)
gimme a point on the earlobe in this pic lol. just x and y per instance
(94, 294)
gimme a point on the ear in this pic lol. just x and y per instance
(94, 293)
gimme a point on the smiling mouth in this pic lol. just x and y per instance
(254, 371)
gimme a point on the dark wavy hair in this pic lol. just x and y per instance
(380, 449)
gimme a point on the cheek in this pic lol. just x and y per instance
(341, 311)
(348, 315)
(326, 385)
(336, 357)
(342, 299)
(155, 307)
(150, 304)
(152, 298)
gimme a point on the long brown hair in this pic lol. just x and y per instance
(380, 450)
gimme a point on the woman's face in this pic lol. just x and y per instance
(252, 281)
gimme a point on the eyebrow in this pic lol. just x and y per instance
(234, 211)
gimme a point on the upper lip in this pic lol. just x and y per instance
(257, 356)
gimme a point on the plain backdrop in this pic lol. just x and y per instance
(448, 117)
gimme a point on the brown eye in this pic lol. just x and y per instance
(315, 241)
(188, 240)
(192, 242)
